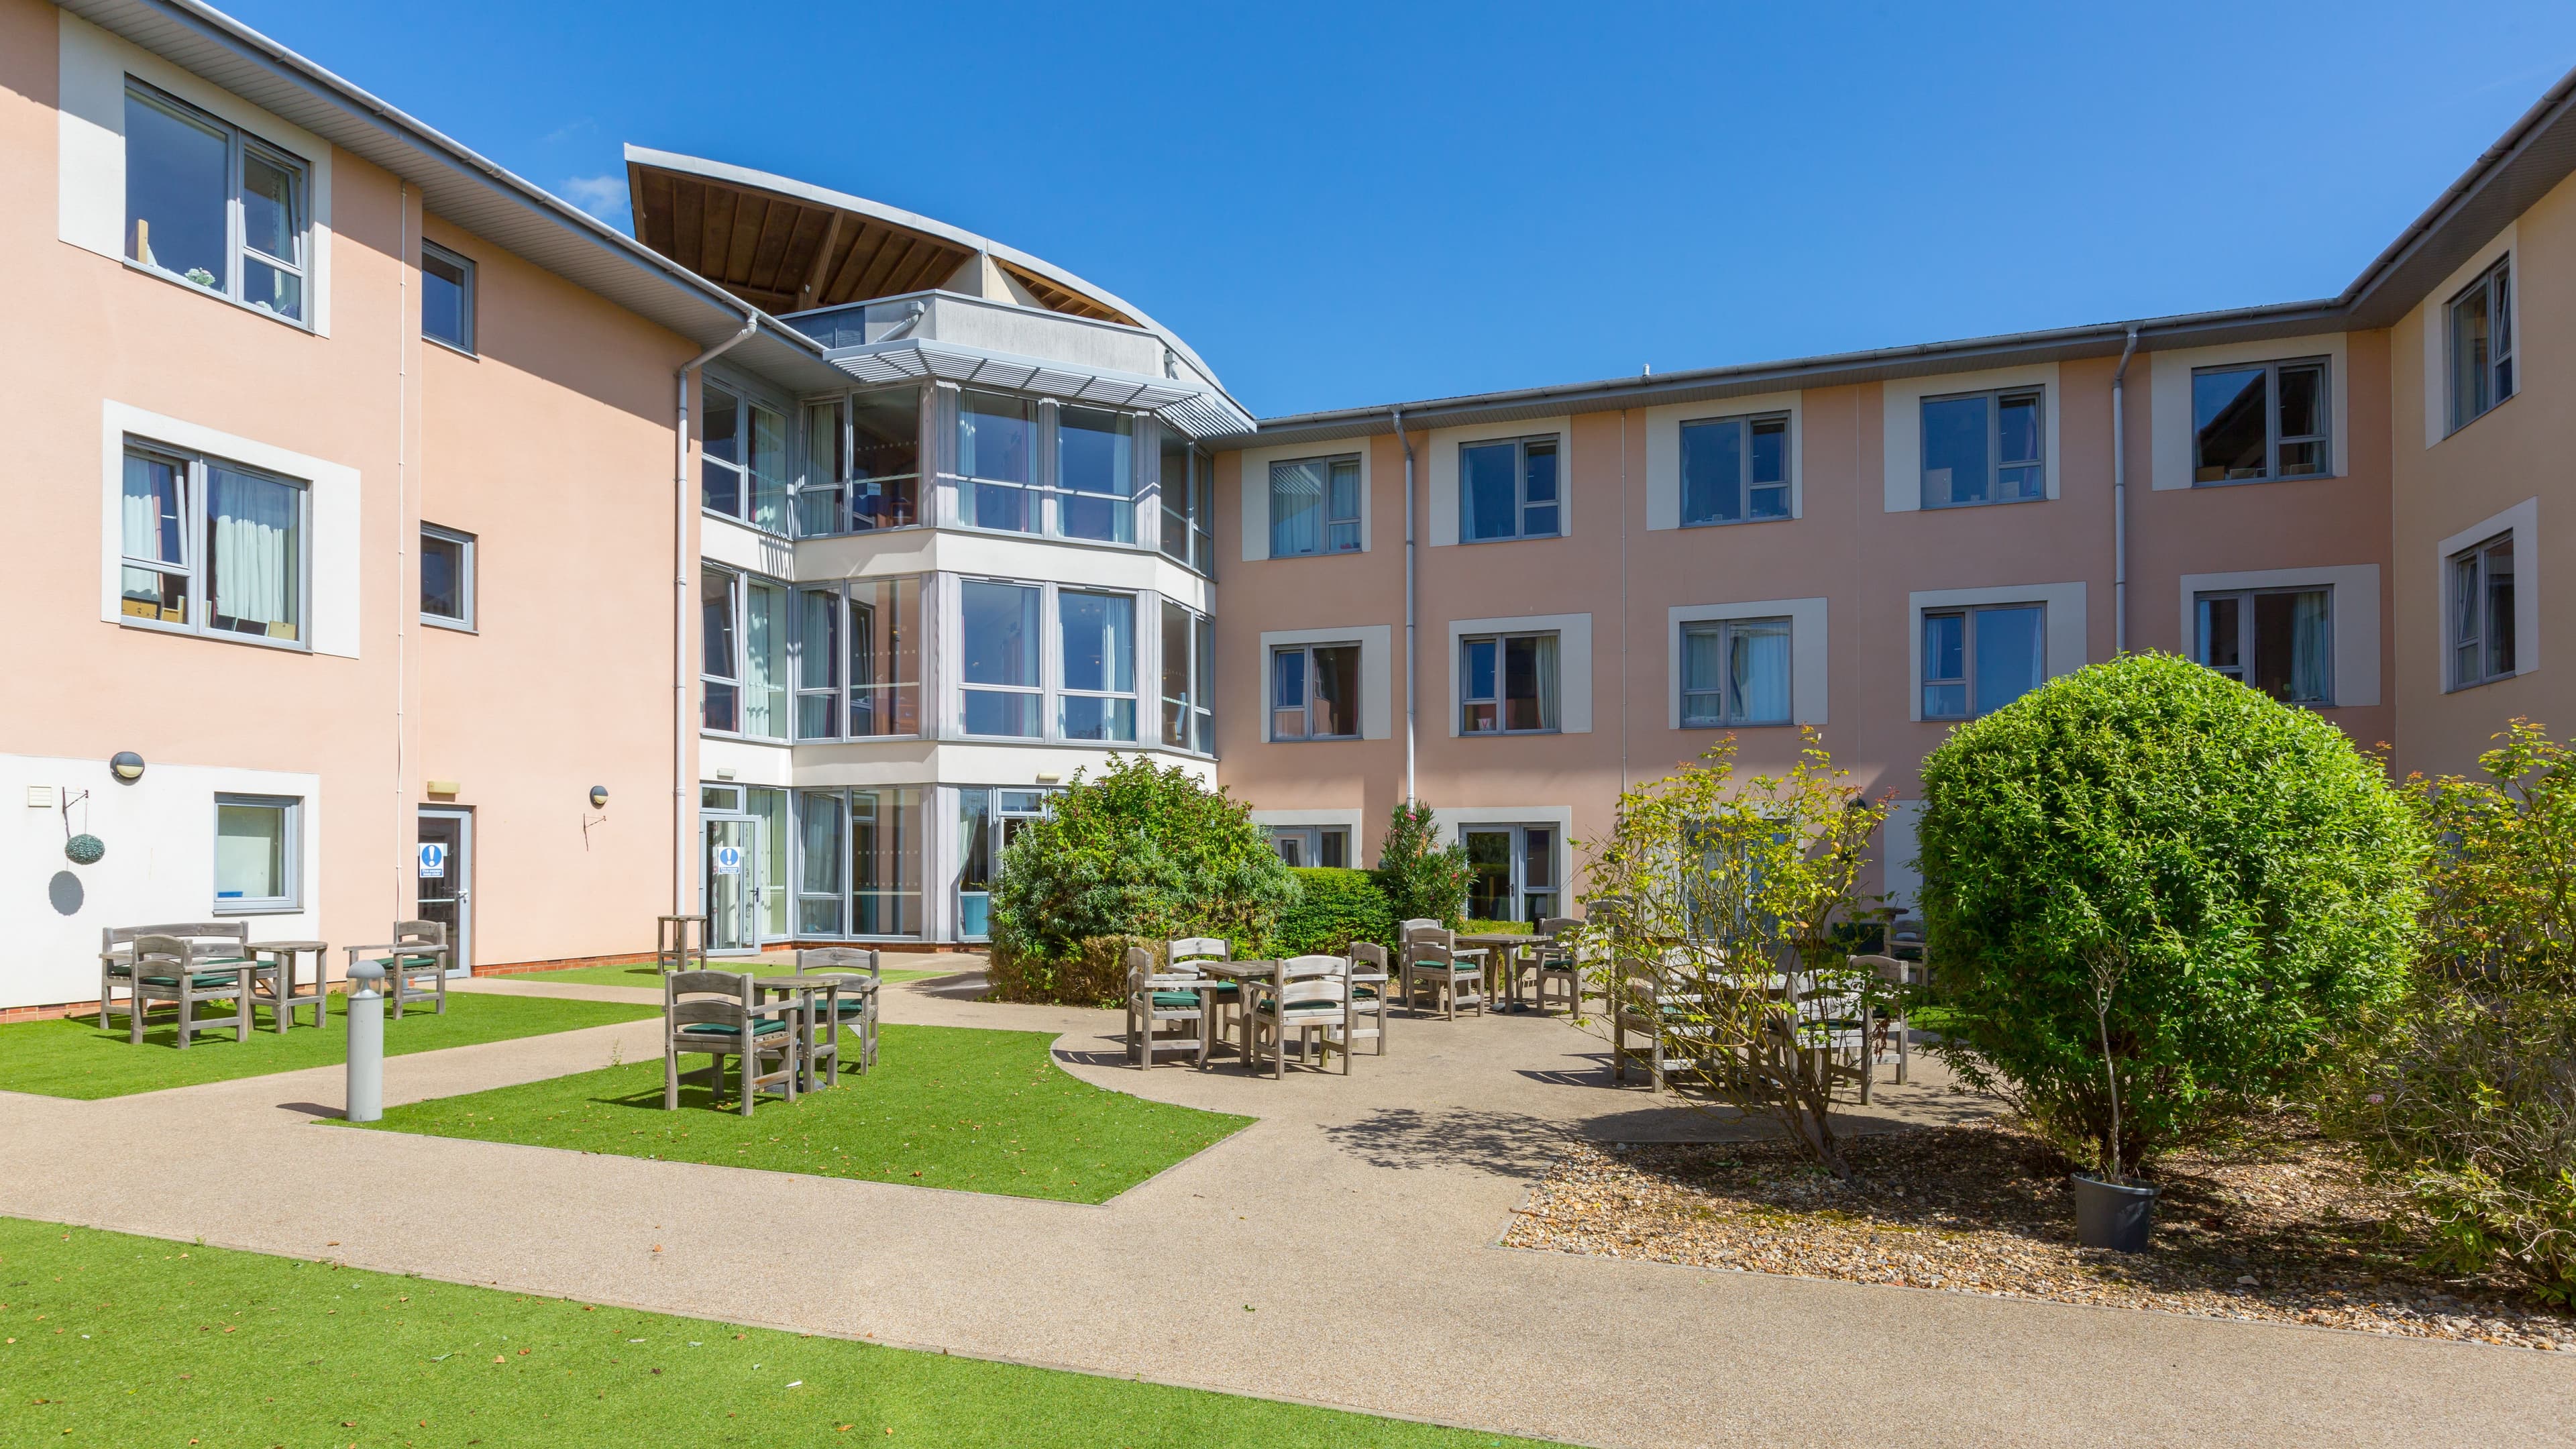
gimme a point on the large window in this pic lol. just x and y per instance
(862, 466)
(446, 297)
(987, 821)
(1095, 474)
(1735, 470)
(2482, 612)
(1004, 682)
(996, 446)
(2263, 420)
(1984, 447)
(2277, 640)
(1507, 684)
(872, 685)
(743, 665)
(742, 459)
(1735, 672)
(259, 846)
(1314, 507)
(1098, 701)
(213, 548)
(211, 205)
(1188, 486)
(1315, 692)
(1975, 660)
(1328, 846)
(859, 862)
(1189, 680)
(1508, 490)
(446, 577)
(2482, 344)
(1512, 872)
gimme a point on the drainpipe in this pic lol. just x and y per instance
(680, 844)
(1412, 664)
(2120, 499)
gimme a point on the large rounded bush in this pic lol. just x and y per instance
(1334, 907)
(2228, 874)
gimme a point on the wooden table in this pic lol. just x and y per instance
(287, 952)
(830, 987)
(1500, 948)
(1243, 975)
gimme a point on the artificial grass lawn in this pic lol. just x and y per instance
(946, 1106)
(648, 975)
(72, 1057)
(117, 1340)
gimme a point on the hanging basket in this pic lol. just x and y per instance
(85, 849)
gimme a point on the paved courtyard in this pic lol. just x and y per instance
(1340, 1251)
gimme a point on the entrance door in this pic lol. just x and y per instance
(733, 868)
(445, 878)
(1511, 872)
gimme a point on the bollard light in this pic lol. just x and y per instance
(366, 1092)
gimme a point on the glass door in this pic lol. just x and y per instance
(444, 881)
(987, 822)
(732, 880)
(1512, 872)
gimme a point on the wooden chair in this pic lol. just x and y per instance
(1371, 988)
(169, 968)
(720, 1014)
(213, 947)
(679, 943)
(1555, 961)
(857, 1011)
(1309, 995)
(418, 952)
(1636, 1006)
(1899, 974)
(1432, 958)
(1159, 998)
(1224, 997)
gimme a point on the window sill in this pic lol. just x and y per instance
(226, 298)
(2481, 683)
(1334, 739)
(844, 533)
(258, 908)
(1504, 734)
(441, 343)
(1516, 538)
(2462, 426)
(1739, 522)
(219, 636)
(2262, 482)
(1930, 507)
(738, 737)
(461, 626)
(1756, 724)
(745, 524)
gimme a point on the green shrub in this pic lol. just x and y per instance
(2147, 862)
(1422, 880)
(1496, 928)
(1334, 908)
(1093, 974)
(1137, 851)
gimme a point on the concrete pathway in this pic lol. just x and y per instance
(1346, 1256)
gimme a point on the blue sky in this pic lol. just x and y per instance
(1345, 204)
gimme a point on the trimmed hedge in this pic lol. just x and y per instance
(1333, 908)
(1093, 974)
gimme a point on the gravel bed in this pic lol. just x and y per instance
(2279, 1225)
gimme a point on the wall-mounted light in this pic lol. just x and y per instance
(126, 765)
(599, 797)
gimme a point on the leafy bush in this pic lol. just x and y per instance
(1422, 880)
(1094, 974)
(1138, 851)
(2470, 1098)
(1334, 908)
(1496, 928)
(2147, 865)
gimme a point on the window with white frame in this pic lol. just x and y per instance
(1507, 684)
(869, 686)
(2482, 612)
(2280, 641)
(446, 297)
(1509, 489)
(1095, 474)
(1735, 672)
(1979, 659)
(1314, 506)
(743, 656)
(259, 847)
(1097, 634)
(2259, 421)
(1984, 447)
(996, 456)
(211, 547)
(1315, 692)
(742, 459)
(1512, 871)
(859, 862)
(1002, 666)
(862, 464)
(1188, 486)
(1735, 470)
(2481, 318)
(1189, 679)
(213, 205)
(446, 577)
(1328, 846)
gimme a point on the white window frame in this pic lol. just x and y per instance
(738, 586)
(1329, 535)
(1726, 716)
(840, 686)
(1043, 691)
(1272, 708)
(1501, 642)
(1198, 707)
(2501, 375)
(291, 865)
(836, 478)
(1808, 672)
(746, 402)
(2244, 667)
(2062, 626)
(2273, 440)
(1521, 888)
(2354, 672)
(1968, 615)
(239, 144)
(2522, 523)
(194, 566)
(1060, 692)
(2476, 563)
(462, 621)
(1309, 840)
(1522, 503)
(1061, 493)
(1745, 483)
(1994, 399)
(465, 314)
(1186, 535)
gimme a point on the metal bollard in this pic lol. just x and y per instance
(366, 1014)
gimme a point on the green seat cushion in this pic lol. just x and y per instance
(1296, 1007)
(771, 1027)
(1175, 1000)
(202, 980)
(1226, 988)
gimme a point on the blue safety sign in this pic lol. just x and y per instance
(728, 860)
(433, 860)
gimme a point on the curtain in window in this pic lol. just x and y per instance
(1759, 673)
(765, 635)
(2308, 646)
(768, 469)
(1547, 690)
(1702, 672)
(1296, 508)
(253, 521)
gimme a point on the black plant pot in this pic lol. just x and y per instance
(2115, 1215)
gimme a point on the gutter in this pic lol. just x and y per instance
(680, 813)
(1412, 662)
(2120, 498)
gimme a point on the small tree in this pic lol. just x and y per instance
(2148, 885)
(1726, 891)
(1422, 880)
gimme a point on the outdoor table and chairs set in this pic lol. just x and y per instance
(193, 966)
(784, 1034)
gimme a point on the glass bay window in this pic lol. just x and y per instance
(1099, 652)
(1095, 474)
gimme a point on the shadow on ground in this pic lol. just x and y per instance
(1509, 1144)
